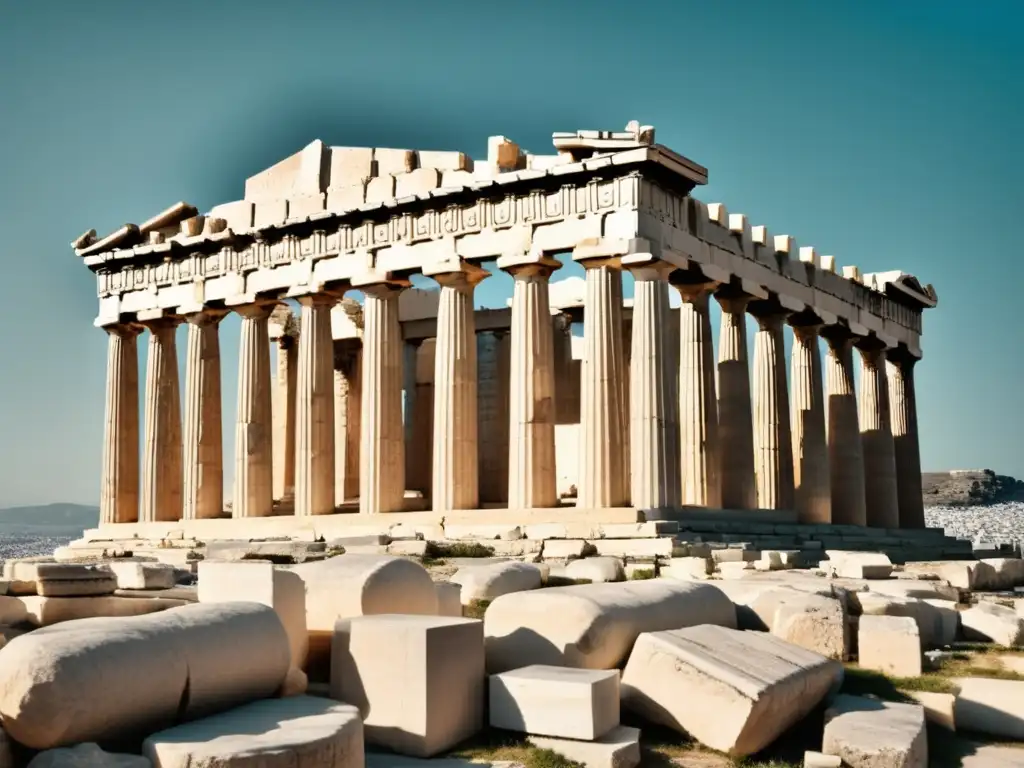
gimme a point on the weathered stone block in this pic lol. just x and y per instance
(347, 198)
(564, 549)
(282, 590)
(752, 685)
(594, 626)
(394, 161)
(555, 701)
(270, 213)
(306, 205)
(688, 568)
(596, 569)
(380, 189)
(445, 161)
(487, 582)
(646, 530)
(47, 611)
(51, 681)
(449, 598)
(238, 215)
(350, 166)
(132, 575)
(297, 731)
(995, 707)
(418, 681)
(889, 644)
(620, 748)
(502, 154)
(882, 734)
(456, 532)
(939, 708)
(417, 182)
(993, 623)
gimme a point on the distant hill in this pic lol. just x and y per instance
(64, 516)
(969, 488)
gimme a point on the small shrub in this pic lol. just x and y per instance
(642, 574)
(475, 609)
(446, 550)
(565, 581)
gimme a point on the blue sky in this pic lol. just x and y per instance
(886, 133)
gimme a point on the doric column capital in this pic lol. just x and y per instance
(529, 265)
(806, 326)
(124, 330)
(733, 304)
(319, 299)
(902, 358)
(839, 337)
(157, 320)
(206, 316)
(257, 310)
(461, 275)
(382, 285)
(644, 266)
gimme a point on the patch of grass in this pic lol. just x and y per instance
(493, 745)
(565, 581)
(427, 561)
(438, 551)
(984, 664)
(476, 609)
(642, 574)
(865, 682)
(334, 551)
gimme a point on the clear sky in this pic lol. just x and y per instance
(886, 133)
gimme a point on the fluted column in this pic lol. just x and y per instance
(203, 443)
(698, 407)
(845, 453)
(603, 423)
(254, 427)
(655, 479)
(876, 438)
(903, 418)
(531, 441)
(285, 385)
(811, 492)
(314, 408)
(773, 445)
(119, 486)
(347, 406)
(382, 451)
(455, 483)
(161, 459)
(493, 408)
(735, 417)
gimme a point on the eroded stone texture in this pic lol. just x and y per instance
(254, 474)
(773, 453)
(880, 734)
(487, 582)
(812, 495)
(735, 419)
(876, 437)
(733, 691)
(593, 626)
(49, 683)
(161, 458)
(845, 452)
(203, 442)
(889, 644)
(314, 407)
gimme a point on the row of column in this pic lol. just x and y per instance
(653, 432)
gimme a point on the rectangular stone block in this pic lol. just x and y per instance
(351, 166)
(661, 547)
(995, 707)
(347, 198)
(445, 161)
(638, 530)
(256, 582)
(889, 644)
(270, 212)
(380, 189)
(564, 549)
(867, 732)
(753, 686)
(394, 161)
(143, 575)
(620, 748)
(305, 205)
(556, 701)
(417, 182)
(418, 681)
(449, 598)
(238, 215)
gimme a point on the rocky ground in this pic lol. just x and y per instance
(995, 523)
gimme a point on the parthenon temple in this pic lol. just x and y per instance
(408, 399)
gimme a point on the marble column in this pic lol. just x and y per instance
(254, 427)
(161, 459)
(382, 479)
(845, 453)
(773, 444)
(119, 486)
(455, 484)
(735, 417)
(903, 417)
(285, 385)
(531, 442)
(876, 438)
(811, 489)
(698, 407)
(655, 479)
(203, 442)
(603, 422)
(347, 407)
(493, 408)
(314, 408)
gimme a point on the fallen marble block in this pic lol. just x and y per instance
(814, 622)
(995, 707)
(1007, 573)
(596, 569)
(282, 590)
(86, 756)
(135, 575)
(594, 626)
(277, 733)
(32, 576)
(731, 690)
(358, 585)
(449, 598)
(417, 681)
(939, 708)
(868, 733)
(103, 679)
(889, 644)
(47, 611)
(619, 748)
(487, 582)
(992, 623)
(555, 701)
(857, 565)
(962, 574)
(932, 622)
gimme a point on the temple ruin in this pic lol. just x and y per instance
(414, 401)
